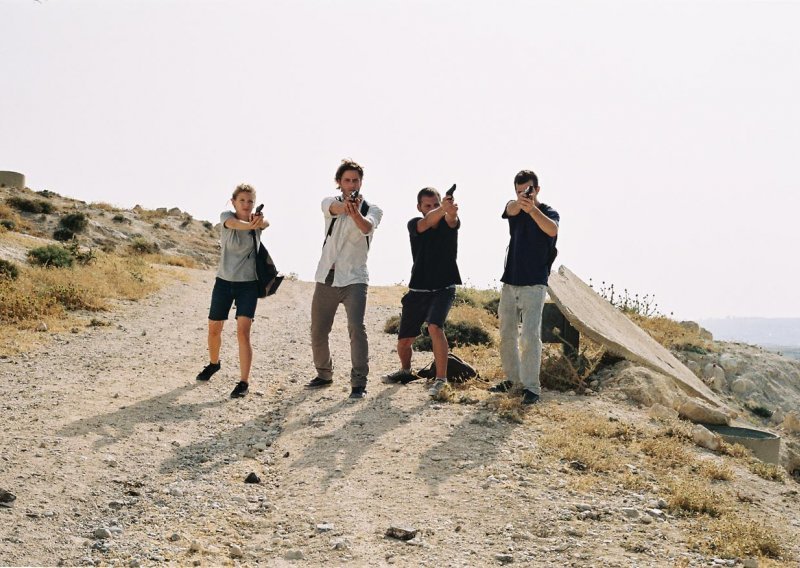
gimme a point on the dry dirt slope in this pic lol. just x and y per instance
(106, 434)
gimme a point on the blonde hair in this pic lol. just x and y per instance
(243, 188)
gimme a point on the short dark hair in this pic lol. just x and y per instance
(524, 176)
(347, 165)
(428, 192)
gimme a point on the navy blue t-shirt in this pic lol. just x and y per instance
(528, 257)
(434, 252)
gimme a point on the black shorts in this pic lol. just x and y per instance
(222, 297)
(424, 307)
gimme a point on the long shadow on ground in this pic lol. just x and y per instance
(120, 424)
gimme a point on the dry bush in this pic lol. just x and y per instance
(672, 334)
(9, 214)
(715, 471)
(565, 372)
(508, 408)
(732, 536)
(586, 424)
(694, 496)
(171, 260)
(670, 453)
(594, 454)
(486, 300)
(768, 471)
(103, 206)
(150, 214)
(734, 450)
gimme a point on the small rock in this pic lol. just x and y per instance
(195, 546)
(102, 533)
(294, 555)
(401, 532)
(503, 558)
(704, 438)
(41, 327)
(174, 537)
(340, 544)
(252, 478)
(176, 491)
(583, 507)
(236, 551)
(6, 496)
(646, 520)
(324, 527)
(661, 412)
(176, 443)
(134, 563)
(630, 513)
(750, 563)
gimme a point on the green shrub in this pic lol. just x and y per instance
(76, 222)
(119, 218)
(139, 245)
(48, 194)
(8, 270)
(30, 205)
(208, 225)
(8, 224)
(63, 234)
(54, 256)
(83, 257)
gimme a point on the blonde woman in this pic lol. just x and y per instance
(236, 282)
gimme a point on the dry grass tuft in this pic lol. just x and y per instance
(667, 453)
(715, 471)
(171, 260)
(768, 471)
(695, 497)
(103, 206)
(733, 536)
(734, 450)
(672, 334)
(508, 407)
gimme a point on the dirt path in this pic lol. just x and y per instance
(118, 457)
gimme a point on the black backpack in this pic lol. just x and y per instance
(458, 370)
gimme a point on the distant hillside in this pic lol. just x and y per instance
(43, 214)
(777, 334)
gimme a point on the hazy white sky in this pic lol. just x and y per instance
(665, 133)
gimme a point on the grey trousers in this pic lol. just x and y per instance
(323, 309)
(521, 349)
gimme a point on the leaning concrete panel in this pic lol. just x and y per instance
(596, 318)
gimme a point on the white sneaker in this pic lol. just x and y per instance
(437, 387)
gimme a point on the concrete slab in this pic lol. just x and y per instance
(601, 322)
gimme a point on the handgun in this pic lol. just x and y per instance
(259, 208)
(527, 192)
(354, 196)
(451, 191)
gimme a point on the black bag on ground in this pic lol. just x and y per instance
(266, 272)
(458, 370)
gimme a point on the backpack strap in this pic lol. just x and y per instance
(364, 211)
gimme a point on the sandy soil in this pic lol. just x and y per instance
(117, 456)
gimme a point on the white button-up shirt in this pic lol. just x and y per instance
(347, 247)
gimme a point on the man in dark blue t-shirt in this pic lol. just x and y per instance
(534, 229)
(432, 288)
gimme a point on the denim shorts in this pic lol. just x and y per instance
(424, 307)
(225, 293)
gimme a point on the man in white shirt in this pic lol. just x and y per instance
(342, 278)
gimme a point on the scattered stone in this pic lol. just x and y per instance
(195, 546)
(791, 423)
(252, 478)
(324, 527)
(750, 563)
(630, 513)
(236, 551)
(742, 386)
(583, 507)
(504, 558)
(294, 555)
(730, 363)
(176, 443)
(6, 497)
(176, 491)
(340, 544)
(102, 533)
(704, 438)
(134, 563)
(696, 411)
(656, 513)
(41, 327)
(578, 465)
(174, 537)
(661, 412)
(401, 532)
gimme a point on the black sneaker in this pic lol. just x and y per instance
(319, 382)
(209, 370)
(529, 397)
(358, 392)
(504, 386)
(239, 390)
